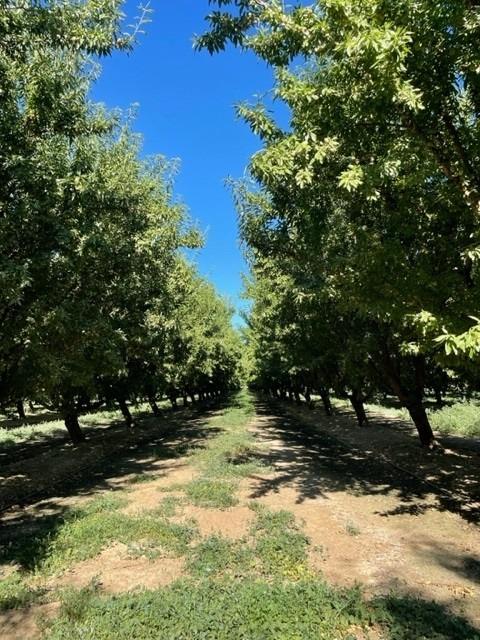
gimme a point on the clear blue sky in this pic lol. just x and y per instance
(186, 110)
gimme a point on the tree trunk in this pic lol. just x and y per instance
(420, 419)
(412, 399)
(173, 400)
(154, 408)
(438, 398)
(356, 401)
(71, 422)
(298, 400)
(125, 412)
(308, 398)
(21, 410)
(327, 404)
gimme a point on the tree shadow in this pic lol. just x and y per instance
(409, 618)
(105, 457)
(319, 463)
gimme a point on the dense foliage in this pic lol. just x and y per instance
(97, 301)
(362, 219)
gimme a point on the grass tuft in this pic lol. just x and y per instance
(218, 556)
(16, 594)
(216, 494)
(462, 418)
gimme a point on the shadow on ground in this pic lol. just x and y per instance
(320, 463)
(98, 464)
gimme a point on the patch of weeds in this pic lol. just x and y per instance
(168, 507)
(75, 603)
(148, 550)
(216, 494)
(283, 553)
(16, 594)
(352, 529)
(462, 418)
(169, 539)
(217, 555)
(219, 610)
(30, 433)
(257, 610)
(268, 520)
(32, 546)
(102, 504)
(405, 618)
(139, 478)
(279, 544)
(85, 537)
(232, 453)
(87, 530)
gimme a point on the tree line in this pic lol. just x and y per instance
(98, 301)
(361, 216)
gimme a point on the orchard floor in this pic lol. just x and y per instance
(375, 509)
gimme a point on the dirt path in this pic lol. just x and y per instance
(377, 510)
(386, 527)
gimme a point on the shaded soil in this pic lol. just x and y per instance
(63, 469)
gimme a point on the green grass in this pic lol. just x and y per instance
(280, 545)
(10, 437)
(233, 453)
(15, 593)
(43, 430)
(275, 547)
(82, 532)
(169, 506)
(85, 536)
(225, 459)
(252, 610)
(217, 556)
(216, 494)
(462, 418)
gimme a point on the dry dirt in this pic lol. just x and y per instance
(377, 509)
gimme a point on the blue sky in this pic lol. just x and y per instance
(186, 110)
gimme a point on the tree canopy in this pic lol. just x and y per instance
(97, 300)
(367, 204)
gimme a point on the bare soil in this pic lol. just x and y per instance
(378, 510)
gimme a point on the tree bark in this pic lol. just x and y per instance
(438, 397)
(154, 406)
(21, 410)
(308, 398)
(327, 404)
(125, 412)
(356, 401)
(71, 422)
(419, 416)
(411, 399)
